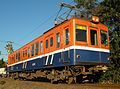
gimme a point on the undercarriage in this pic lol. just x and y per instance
(68, 74)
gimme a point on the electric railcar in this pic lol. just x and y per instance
(71, 51)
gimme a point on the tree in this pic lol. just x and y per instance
(109, 13)
(87, 7)
(112, 20)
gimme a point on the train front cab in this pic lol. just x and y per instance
(91, 43)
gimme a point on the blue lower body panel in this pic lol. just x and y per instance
(91, 56)
(64, 58)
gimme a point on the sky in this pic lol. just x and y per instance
(21, 21)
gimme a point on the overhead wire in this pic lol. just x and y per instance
(58, 13)
(61, 7)
(41, 24)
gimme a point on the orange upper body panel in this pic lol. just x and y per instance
(47, 35)
(61, 28)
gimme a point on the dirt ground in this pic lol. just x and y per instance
(6, 83)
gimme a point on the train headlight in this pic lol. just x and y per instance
(95, 19)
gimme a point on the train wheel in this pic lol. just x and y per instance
(71, 80)
(79, 79)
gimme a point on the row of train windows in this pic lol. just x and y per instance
(81, 35)
(35, 48)
(67, 39)
(50, 43)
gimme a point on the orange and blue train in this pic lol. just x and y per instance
(69, 51)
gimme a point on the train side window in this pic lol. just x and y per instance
(41, 46)
(18, 56)
(32, 51)
(47, 43)
(58, 39)
(67, 36)
(93, 37)
(104, 37)
(36, 50)
(13, 58)
(81, 33)
(23, 53)
(28, 52)
(51, 41)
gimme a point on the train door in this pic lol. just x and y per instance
(93, 37)
(46, 51)
(65, 54)
(94, 43)
(48, 47)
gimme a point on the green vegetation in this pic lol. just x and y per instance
(111, 17)
(2, 63)
(109, 13)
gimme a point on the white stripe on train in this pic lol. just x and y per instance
(65, 49)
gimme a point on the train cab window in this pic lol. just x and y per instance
(41, 46)
(67, 36)
(104, 37)
(46, 43)
(32, 51)
(51, 41)
(58, 39)
(81, 33)
(36, 50)
(93, 37)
